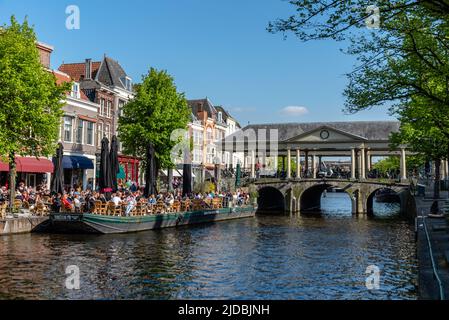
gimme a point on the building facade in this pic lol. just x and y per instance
(106, 84)
(209, 125)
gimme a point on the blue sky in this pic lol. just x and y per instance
(214, 48)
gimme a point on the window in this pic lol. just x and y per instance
(109, 109)
(107, 131)
(210, 155)
(68, 127)
(197, 138)
(209, 136)
(79, 131)
(220, 117)
(99, 133)
(197, 155)
(121, 105)
(75, 90)
(90, 133)
(127, 83)
(102, 106)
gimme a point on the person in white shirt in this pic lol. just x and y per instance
(116, 199)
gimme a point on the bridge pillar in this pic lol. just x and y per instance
(403, 165)
(253, 164)
(353, 163)
(314, 166)
(362, 164)
(358, 205)
(298, 164)
(289, 163)
(369, 160)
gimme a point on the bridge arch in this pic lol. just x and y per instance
(396, 198)
(271, 200)
(310, 198)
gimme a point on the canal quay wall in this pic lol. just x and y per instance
(432, 250)
(19, 225)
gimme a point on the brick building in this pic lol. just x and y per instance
(106, 84)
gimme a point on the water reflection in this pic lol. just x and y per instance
(269, 257)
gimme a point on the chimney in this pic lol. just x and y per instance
(88, 70)
(45, 51)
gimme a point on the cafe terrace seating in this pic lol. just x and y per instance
(144, 209)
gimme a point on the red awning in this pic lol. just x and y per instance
(31, 165)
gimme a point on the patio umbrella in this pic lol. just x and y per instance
(114, 163)
(238, 175)
(151, 171)
(187, 179)
(105, 179)
(57, 184)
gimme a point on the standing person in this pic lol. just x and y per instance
(57, 203)
(131, 204)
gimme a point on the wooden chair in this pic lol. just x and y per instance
(26, 205)
(149, 209)
(160, 207)
(138, 209)
(40, 209)
(103, 208)
(17, 204)
(208, 202)
(3, 210)
(97, 207)
(176, 207)
(216, 203)
(112, 209)
(185, 205)
(197, 205)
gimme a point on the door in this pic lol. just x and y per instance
(31, 181)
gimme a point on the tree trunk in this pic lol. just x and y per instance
(436, 191)
(12, 180)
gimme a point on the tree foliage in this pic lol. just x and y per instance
(151, 117)
(30, 100)
(404, 64)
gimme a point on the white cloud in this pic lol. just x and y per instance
(295, 111)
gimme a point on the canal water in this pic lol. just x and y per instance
(270, 257)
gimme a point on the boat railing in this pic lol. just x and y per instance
(145, 208)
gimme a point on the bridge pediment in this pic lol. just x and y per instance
(326, 134)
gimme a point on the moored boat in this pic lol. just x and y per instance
(87, 223)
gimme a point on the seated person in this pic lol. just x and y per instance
(116, 199)
(67, 203)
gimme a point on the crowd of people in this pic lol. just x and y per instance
(129, 194)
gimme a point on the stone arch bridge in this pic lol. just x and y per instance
(296, 196)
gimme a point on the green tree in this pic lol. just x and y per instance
(30, 99)
(151, 117)
(419, 133)
(404, 64)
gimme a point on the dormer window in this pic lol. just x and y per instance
(127, 83)
(76, 90)
(220, 117)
